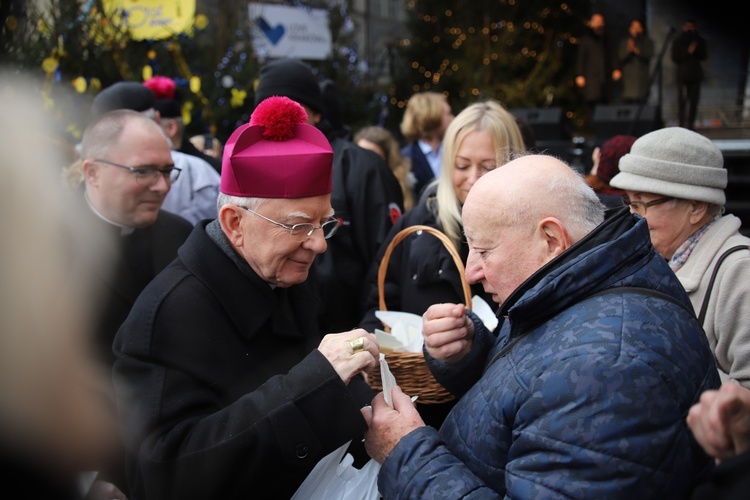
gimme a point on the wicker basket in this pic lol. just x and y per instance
(409, 368)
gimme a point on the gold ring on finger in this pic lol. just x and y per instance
(357, 344)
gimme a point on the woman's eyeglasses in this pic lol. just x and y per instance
(640, 207)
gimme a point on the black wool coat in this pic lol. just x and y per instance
(595, 60)
(140, 256)
(689, 66)
(220, 385)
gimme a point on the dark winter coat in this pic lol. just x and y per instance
(636, 67)
(583, 393)
(420, 167)
(220, 384)
(595, 60)
(367, 200)
(729, 481)
(689, 67)
(141, 255)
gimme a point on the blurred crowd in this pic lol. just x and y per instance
(183, 318)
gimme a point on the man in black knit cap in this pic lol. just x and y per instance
(366, 198)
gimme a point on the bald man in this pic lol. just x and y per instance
(584, 388)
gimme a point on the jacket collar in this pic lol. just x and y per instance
(707, 251)
(596, 262)
(237, 293)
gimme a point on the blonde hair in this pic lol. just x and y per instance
(489, 116)
(400, 165)
(423, 115)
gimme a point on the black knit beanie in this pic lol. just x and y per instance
(168, 108)
(122, 95)
(290, 78)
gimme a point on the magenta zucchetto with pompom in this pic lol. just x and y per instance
(277, 155)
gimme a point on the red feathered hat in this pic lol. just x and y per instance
(277, 155)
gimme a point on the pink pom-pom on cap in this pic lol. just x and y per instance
(161, 86)
(279, 116)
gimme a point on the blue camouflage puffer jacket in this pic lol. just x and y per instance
(584, 392)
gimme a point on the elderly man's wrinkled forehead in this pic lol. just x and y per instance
(493, 189)
(516, 191)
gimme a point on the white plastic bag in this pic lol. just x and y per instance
(335, 478)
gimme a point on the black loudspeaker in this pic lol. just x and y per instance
(547, 124)
(621, 120)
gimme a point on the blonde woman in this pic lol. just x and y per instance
(421, 271)
(423, 125)
(382, 142)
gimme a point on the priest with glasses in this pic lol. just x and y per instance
(223, 381)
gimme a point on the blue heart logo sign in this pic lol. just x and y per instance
(273, 34)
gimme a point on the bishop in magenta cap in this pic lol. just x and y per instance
(277, 155)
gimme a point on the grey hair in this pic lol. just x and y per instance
(568, 198)
(149, 113)
(240, 201)
(714, 209)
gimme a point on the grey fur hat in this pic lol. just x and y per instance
(677, 162)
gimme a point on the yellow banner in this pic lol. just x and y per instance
(152, 19)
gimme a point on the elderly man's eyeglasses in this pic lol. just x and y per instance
(301, 232)
(147, 176)
(640, 207)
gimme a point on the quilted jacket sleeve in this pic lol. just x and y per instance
(459, 377)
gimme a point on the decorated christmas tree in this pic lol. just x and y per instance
(521, 53)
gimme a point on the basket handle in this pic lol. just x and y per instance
(447, 243)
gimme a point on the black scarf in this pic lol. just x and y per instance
(283, 321)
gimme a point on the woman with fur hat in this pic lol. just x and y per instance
(675, 178)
